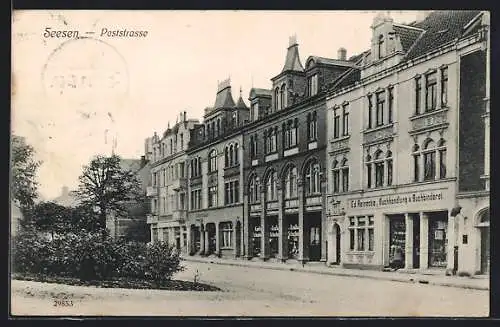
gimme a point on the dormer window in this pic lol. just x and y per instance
(380, 46)
(282, 97)
(277, 99)
(312, 85)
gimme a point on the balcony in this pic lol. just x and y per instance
(378, 134)
(151, 191)
(179, 215)
(338, 145)
(151, 219)
(429, 121)
(179, 183)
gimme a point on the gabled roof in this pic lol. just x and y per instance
(256, 92)
(241, 104)
(440, 28)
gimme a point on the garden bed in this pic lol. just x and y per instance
(171, 285)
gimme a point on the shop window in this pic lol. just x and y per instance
(397, 234)
(226, 230)
(438, 225)
(291, 182)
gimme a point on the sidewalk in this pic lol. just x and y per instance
(476, 282)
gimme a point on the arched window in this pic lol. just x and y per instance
(389, 167)
(291, 182)
(416, 163)
(380, 46)
(345, 175)
(226, 157)
(442, 158)
(212, 161)
(236, 154)
(219, 132)
(379, 169)
(434, 160)
(312, 178)
(253, 190)
(271, 191)
(429, 160)
(336, 176)
(283, 96)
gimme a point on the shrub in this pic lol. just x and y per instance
(93, 256)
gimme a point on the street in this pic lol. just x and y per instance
(257, 292)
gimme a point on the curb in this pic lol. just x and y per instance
(401, 279)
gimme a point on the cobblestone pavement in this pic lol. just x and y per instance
(249, 291)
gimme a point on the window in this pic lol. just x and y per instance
(254, 190)
(254, 111)
(379, 170)
(291, 182)
(389, 168)
(218, 127)
(312, 126)
(312, 178)
(376, 169)
(196, 199)
(271, 140)
(336, 122)
(182, 167)
(212, 161)
(434, 160)
(290, 133)
(271, 183)
(277, 99)
(312, 83)
(182, 141)
(345, 176)
(380, 98)
(380, 46)
(370, 111)
(171, 146)
(345, 119)
(253, 146)
(195, 167)
(361, 233)
(283, 103)
(212, 196)
(226, 230)
(418, 91)
(430, 91)
(390, 107)
(429, 161)
(336, 177)
(232, 189)
(442, 159)
(416, 163)
(444, 86)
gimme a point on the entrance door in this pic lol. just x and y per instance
(238, 239)
(315, 243)
(485, 250)
(337, 244)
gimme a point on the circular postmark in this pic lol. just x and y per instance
(86, 74)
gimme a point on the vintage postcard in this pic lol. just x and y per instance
(250, 163)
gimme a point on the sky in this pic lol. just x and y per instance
(71, 98)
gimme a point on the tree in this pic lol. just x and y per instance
(104, 185)
(52, 217)
(24, 186)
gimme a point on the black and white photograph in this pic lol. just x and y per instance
(239, 163)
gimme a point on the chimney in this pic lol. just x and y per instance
(185, 116)
(342, 54)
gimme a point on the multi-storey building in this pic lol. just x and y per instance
(168, 189)
(216, 177)
(284, 151)
(409, 174)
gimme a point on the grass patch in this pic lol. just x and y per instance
(171, 285)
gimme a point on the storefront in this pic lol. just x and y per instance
(404, 228)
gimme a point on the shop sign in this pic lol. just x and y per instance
(335, 208)
(403, 199)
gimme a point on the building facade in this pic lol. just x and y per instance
(215, 183)
(168, 188)
(413, 165)
(284, 151)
